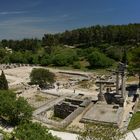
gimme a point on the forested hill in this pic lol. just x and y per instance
(84, 48)
(94, 35)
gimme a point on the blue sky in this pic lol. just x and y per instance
(32, 18)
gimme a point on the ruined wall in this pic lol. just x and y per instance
(74, 101)
(64, 109)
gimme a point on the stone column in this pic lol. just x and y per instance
(117, 82)
(100, 95)
(123, 85)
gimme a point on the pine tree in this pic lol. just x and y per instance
(3, 82)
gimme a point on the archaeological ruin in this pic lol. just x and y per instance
(107, 99)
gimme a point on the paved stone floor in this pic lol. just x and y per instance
(103, 113)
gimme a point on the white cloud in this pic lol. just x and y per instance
(21, 21)
(12, 12)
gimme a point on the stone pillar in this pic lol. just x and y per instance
(123, 86)
(117, 82)
(100, 95)
(122, 71)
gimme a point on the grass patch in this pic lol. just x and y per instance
(6, 135)
(132, 78)
(135, 121)
(85, 84)
(39, 98)
(82, 69)
(56, 118)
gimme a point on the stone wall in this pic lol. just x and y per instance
(64, 109)
(14, 65)
(74, 101)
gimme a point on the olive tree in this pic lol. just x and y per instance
(42, 77)
(32, 131)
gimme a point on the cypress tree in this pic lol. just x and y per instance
(3, 82)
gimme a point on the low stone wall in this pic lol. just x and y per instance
(15, 65)
(63, 123)
(78, 74)
(64, 109)
(74, 101)
(72, 116)
(47, 106)
(69, 116)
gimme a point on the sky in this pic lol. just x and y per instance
(33, 18)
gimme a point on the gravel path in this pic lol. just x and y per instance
(64, 135)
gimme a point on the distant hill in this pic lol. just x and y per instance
(95, 35)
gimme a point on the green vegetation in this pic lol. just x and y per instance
(99, 60)
(3, 82)
(95, 47)
(135, 121)
(6, 135)
(17, 112)
(132, 78)
(42, 77)
(39, 98)
(32, 131)
(134, 59)
(96, 35)
(100, 132)
(14, 110)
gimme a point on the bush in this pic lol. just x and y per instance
(99, 60)
(77, 65)
(32, 131)
(64, 57)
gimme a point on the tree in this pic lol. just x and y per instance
(134, 61)
(124, 57)
(2, 54)
(42, 77)
(77, 65)
(101, 132)
(112, 34)
(64, 57)
(32, 131)
(114, 52)
(22, 111)
(99, 60)
(3, 82)
(14, 110)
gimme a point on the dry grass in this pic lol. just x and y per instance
(132, 79)
(39, 98)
